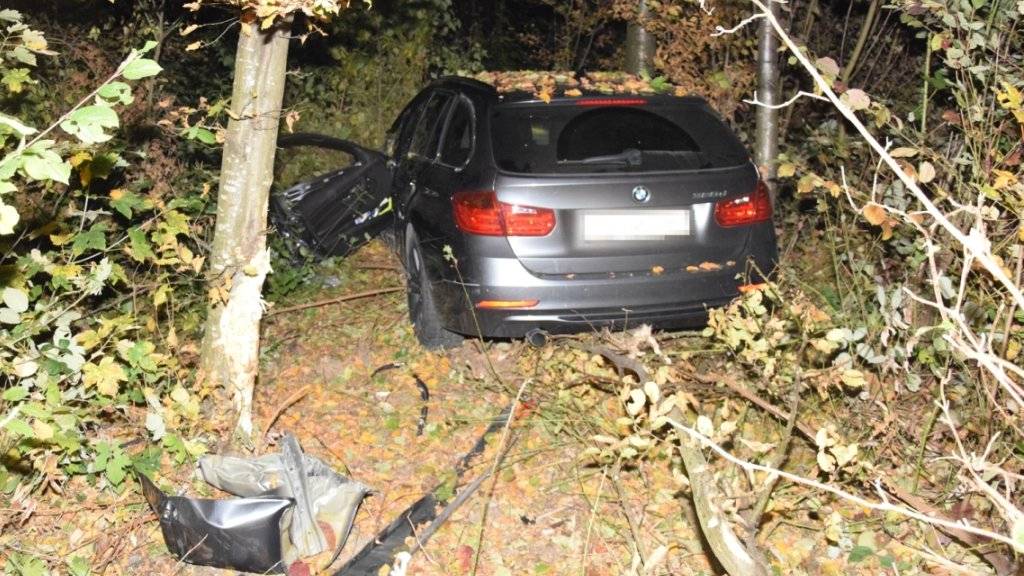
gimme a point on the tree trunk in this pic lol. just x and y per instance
(766, 146)
(239, 261)
(640, 44)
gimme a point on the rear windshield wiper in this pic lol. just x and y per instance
(634, 157)
(628, 157)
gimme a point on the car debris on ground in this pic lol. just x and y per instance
(293, 513)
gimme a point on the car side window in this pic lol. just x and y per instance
(427, 132)
(458, 140)
(400, 133)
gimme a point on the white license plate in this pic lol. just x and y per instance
(636, 225)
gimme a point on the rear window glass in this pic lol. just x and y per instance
(546, 139)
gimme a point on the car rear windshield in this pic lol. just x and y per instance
(563, 138)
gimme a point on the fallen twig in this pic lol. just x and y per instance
(337, 300)
(298, 395)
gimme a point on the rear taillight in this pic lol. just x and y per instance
(749, 209)
(480, 212)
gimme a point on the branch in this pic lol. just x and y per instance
(719, 31)
(789, 102)
(879, 506)
(345, 298)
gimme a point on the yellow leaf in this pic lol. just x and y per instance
(194, 46)
(160, 296)
(844, 454)
(925, 172)
(78, 158)
(60, 239)
(1003, 179)
(786, 170)
(874, 213)
(188, 29)
(903, 152)
(43, 431)
(853, 378)
(106, 376)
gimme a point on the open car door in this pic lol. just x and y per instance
(336, 212)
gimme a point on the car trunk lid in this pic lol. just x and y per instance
(630, 223)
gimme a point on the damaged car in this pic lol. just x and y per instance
(519, 213)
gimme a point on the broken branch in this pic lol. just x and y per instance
(337, 300)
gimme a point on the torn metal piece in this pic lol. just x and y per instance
(242, 534)
(292, 506)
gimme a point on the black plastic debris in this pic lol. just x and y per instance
(339, 211)
(423, 517)
(291, 507)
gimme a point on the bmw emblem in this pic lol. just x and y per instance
(641, 194)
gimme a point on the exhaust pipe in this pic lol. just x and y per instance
(537, 338)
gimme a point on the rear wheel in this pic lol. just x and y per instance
(426, 322)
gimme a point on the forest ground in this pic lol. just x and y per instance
(549, 510)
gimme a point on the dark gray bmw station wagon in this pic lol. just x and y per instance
(517, 214)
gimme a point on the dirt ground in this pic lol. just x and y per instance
(550, 508)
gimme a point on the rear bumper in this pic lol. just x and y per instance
(668, 300)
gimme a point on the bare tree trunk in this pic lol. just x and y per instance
(239, 261)
(766, 146)
(640, 44)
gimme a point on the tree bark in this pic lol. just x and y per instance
(766, 145)
(239, 261)
(640, 45)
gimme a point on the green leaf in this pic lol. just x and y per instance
(141, 68)
(126, 202)
(202, 134)
(88, 123)
(15, 299)
(149, 45)
(26, 565)
(23, 55)
(139, 247)
(20, 427)
(860, 553)
(16, 125)
(41, 163)
(15, 79)
(78, 566)
(9, 218)
(116, 92)
(15, 394)
(9, 15)
(93, 239)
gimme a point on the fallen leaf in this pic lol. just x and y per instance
(874, 213)
(856, 99)
(925, 172)
(903, 152)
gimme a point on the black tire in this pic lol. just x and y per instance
(426, 323)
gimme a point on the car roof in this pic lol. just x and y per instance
(466, 84)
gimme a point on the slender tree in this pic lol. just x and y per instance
(640, 44)
(766, 133)
(239, 261)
